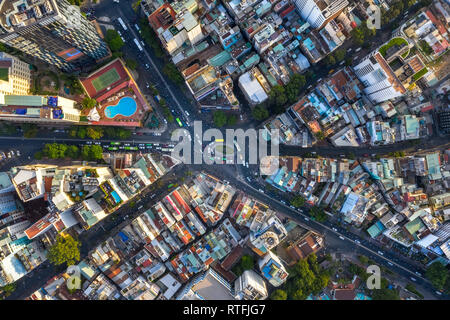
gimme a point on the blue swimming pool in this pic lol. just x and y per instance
(116, 196)
(125, 107)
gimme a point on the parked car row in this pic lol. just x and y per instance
(9, 154)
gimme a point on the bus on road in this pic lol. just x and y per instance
(122, 24)
(138, 44)
(179, 122)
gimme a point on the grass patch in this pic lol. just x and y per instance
(395, 41)
(420, 74)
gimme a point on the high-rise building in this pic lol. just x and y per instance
(319, 12)
(15, 75)
(51, 30)
(272, 269)
(380, 82)
(250, 286)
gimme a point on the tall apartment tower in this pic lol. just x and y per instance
(52, 31)
(15, 75)
(319, 12)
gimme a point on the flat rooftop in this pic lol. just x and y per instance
(15, 14)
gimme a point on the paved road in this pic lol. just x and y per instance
(337, 238)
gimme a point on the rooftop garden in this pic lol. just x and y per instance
(393, 42)
(420, 74)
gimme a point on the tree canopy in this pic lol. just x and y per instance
(438, 275)
(88, 103)
(278, 294)
(94, 132)
(298, 201)
(220, 118)
(246, 263)
(113, 40)
(66, 250)
(260, 112)
(305, 278)
(171, 71)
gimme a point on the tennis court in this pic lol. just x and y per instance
(105, 80)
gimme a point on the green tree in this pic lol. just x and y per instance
(66, 250)
(363, 259)
(247, 262)
(220, 118)
(6, 290)
(131, 63)
(339, 55)
(85, 152)
(438, 274)
(278, 295)
(260, 113)
(171, 71)
(277, 98)
(38, 155)
(94, 133)
(88, 103)
(113, 40)
(298, 201)
(357, 36)
(73, 152)
(96, 152)
(330, 60)
(318, 214)
(55, 150)
(385, 294)
(231, 120)
(425, 47)
(319, 135)
(81, 132)
(29, 130)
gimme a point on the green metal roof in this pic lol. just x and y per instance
(26, 101)
(220, 59)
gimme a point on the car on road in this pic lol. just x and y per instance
(8, 154)
(357, 241)
(341, 237)
(413, 279)
(334, 229)
(147, 66)
(261, 190)
(418, 273)
(438, 293)
(187, 113)
(283, 202)
(380, 253)
(390, 263)
(306, 218)
(116, 1)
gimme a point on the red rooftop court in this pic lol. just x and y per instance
(121, 102)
